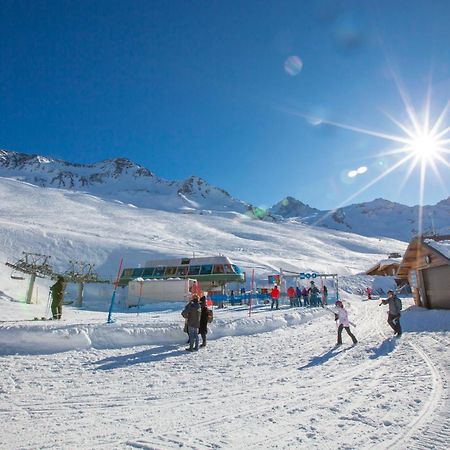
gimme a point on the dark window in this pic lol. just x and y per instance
(236, 268)
(137, 272)
(218, 268)
(148, 272)
(170, 271)
(228, 268)
(185, 260)
(159, 272)
(182, 271)
(206, 269)
(194, 270)
(127, 273)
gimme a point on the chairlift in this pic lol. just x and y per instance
(16, 275)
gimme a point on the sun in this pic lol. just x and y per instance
(425, 147)
(421, 143)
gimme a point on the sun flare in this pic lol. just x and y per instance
(420, 144)
(425, 146)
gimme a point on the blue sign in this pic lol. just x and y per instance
(308, 275)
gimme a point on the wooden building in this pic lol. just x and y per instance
(426, 265)
(385, 267)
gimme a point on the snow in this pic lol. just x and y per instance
(269, 379)
(442, 247)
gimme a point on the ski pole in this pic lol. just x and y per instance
(114, 292)
(47, 309)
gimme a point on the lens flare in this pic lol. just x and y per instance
(293, 65)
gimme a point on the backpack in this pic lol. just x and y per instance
(210, 315)
(399, 304)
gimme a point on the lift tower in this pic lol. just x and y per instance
(35, 265)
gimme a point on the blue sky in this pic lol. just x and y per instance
(201, 88)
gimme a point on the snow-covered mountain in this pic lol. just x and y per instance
(376, 218)
(291, 207)
(70, 225)
(122, 180)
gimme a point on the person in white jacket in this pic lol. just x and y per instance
(340, 314)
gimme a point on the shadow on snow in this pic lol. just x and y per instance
(322, 359)
(386, 347)
(159, 353)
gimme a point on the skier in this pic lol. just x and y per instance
(57, 291)
(369, 293)
(395, 307)
(192, 313)
(340, 314)
(275, 294)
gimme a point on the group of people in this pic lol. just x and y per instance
(197, 315)
(310, 296)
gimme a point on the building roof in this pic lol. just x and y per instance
(443, 247)
(380, 265)
(419, 247)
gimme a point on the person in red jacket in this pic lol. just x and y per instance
(275, 294)
(291, 295)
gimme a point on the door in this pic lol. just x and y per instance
(437, 287)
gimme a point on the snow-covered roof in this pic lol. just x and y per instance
(389, 262)
(442, 247)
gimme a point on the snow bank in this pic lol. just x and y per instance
(54, 337)
(416, 319)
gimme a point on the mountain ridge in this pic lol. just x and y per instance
(123, 180)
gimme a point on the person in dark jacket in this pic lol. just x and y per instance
(395, 307)
(57, 291)
(305, 297)
(192, 313)
(203, 328)
(298, 294)
(313, 295)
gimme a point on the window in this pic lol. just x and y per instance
(228, 268)
(194, 270)
(206, 269)
(127, 273)
(185, 260)
(159, 272)
(182, 271)
(137, 272)
(171, 271)
(236, 268)
(218, 268)
(148, 272)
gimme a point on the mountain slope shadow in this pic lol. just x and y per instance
(152, 355)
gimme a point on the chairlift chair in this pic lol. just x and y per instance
(16, 275)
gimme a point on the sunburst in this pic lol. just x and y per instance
(420, 143)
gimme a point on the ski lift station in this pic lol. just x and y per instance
(170, 277)
(143, 292)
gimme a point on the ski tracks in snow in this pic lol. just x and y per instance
(281, 389)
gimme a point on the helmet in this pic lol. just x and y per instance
(339, 303)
